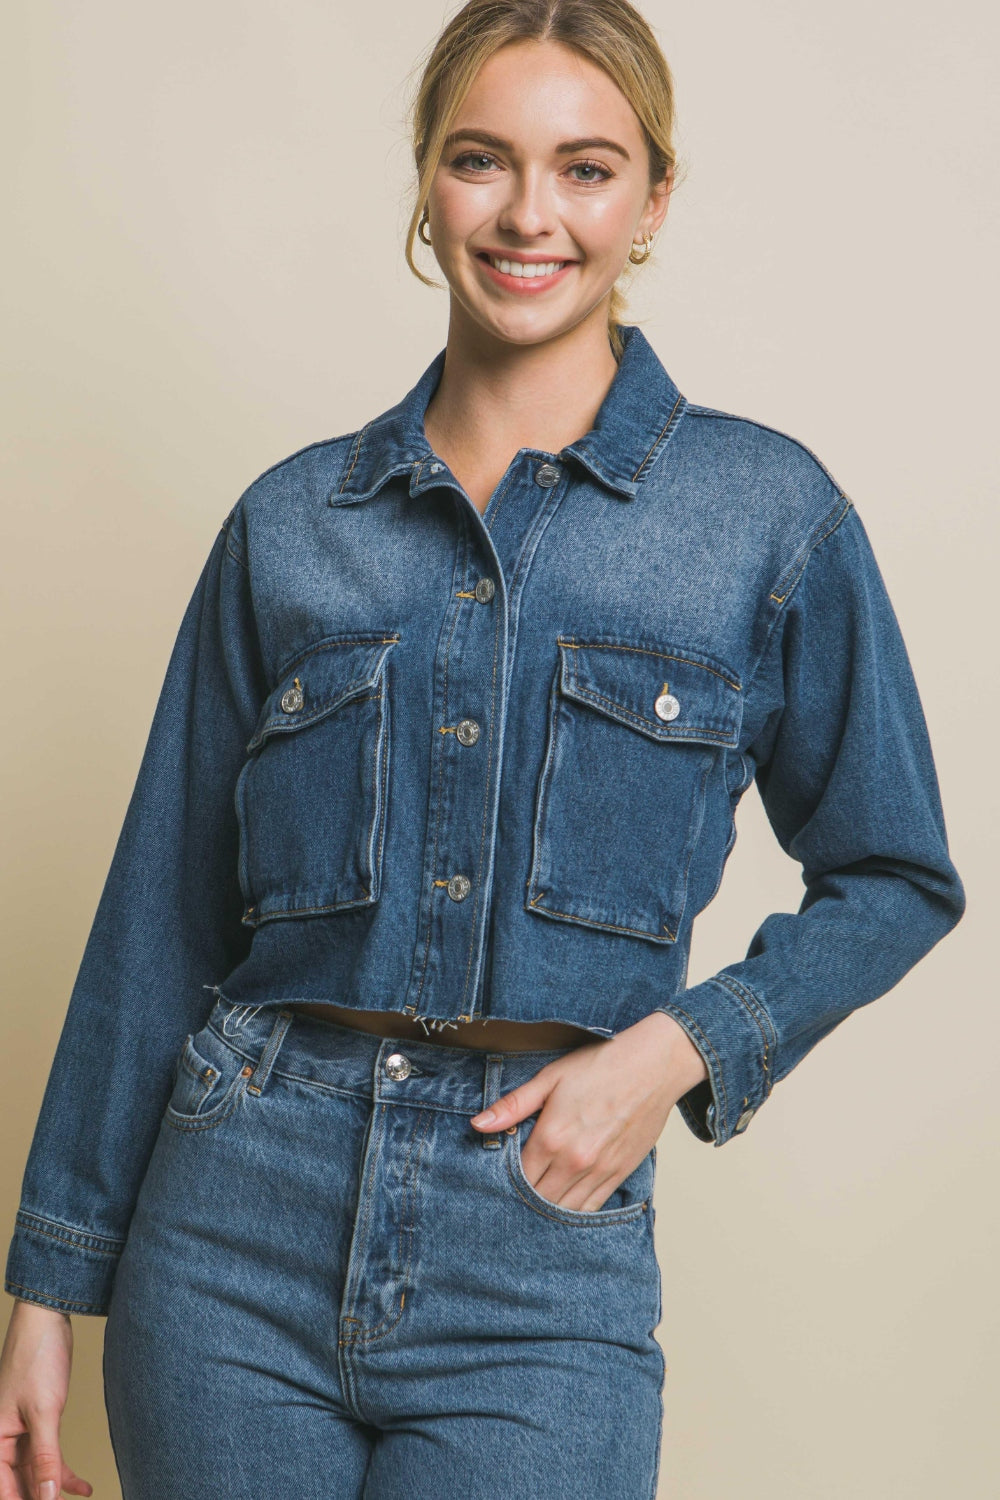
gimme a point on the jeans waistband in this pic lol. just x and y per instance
(394, 1070)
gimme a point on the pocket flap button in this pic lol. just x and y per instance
(292, 698)
(397, 1066)
(666, 705)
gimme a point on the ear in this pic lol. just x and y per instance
(657, 203)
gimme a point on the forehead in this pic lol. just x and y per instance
(546, 91)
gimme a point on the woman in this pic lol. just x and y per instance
(351, 1130)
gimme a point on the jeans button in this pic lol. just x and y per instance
(744, 1120)
(467, 732)
(547, 475)
(666, 705)
(398, 1066)
(485, 590)
(459, 887)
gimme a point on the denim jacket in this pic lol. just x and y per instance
(412, 758)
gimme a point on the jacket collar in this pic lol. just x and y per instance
(635, 420)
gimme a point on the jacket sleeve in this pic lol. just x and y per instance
(846, 774)
(167, 926)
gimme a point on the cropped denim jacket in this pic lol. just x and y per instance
(412, 758)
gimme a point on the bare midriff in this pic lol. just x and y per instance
(492, 1035)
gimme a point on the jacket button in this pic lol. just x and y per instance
(398, 1066)
(666, 706)
(292, 698)
(467, 732)
(547, 475)
(744, 1119)
(485, 590)
(459, 887)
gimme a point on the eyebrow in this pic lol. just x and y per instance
(565, 148)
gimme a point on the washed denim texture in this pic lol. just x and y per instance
(360, 1294)
(410, 758)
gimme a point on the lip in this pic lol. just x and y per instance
(524, 286)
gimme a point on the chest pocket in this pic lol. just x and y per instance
(634, 735)
(311, 799)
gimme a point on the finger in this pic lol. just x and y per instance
(46, 1465)
(567, 1172)
(10, 1489)
(516, 1105)
(74, 1485)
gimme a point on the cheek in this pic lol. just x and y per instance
(458, 212)
(602, 229)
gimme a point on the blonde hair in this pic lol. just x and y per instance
(611, 33)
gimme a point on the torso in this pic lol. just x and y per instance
(490, 1035)
(479, 483)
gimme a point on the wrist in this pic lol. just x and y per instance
(686, 1063)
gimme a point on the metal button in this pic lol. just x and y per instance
(459, 887)
(467, 732)
(744, 1119)
(485, 590)
(436, 468)
(292, 698)
(666, 706)
(547, 475)
(398, 1066)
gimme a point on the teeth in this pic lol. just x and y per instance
(521, 268)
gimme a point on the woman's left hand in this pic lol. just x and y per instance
(602, 1108)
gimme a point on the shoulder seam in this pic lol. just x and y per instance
(783, 590)
(823, 527)
(342, 437)
(697, 410)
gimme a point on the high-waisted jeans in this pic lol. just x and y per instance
(334, 1286)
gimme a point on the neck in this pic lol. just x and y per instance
(495, 396)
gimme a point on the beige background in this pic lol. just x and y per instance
(204, 273)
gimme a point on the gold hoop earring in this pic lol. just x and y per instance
(424, 224)
(638, 260)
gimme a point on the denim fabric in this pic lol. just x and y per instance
(412, 758)
(358, 1294)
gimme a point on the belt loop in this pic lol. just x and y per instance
(492, 1074)
(262, 1071)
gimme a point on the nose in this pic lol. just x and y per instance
(529, 210)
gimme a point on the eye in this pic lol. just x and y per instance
(591, 166)
(464, 161)
(472, 156)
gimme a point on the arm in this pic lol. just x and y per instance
(847, 778)
(168, 925)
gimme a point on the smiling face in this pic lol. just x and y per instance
(542, 187)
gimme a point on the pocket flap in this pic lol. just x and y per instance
(666, 692)
(320, 680)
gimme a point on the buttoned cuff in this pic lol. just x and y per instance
(59, 1266)
(736, 1037)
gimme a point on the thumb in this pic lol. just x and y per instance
(516, 1105)
(46, 1458)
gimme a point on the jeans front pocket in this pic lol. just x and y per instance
(635, 733)
(632, 1198)
(210, 1078)
(311, 800)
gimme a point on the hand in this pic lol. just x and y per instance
(34, 1383)
(605, 1105)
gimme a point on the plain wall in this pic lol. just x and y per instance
(203, 246)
